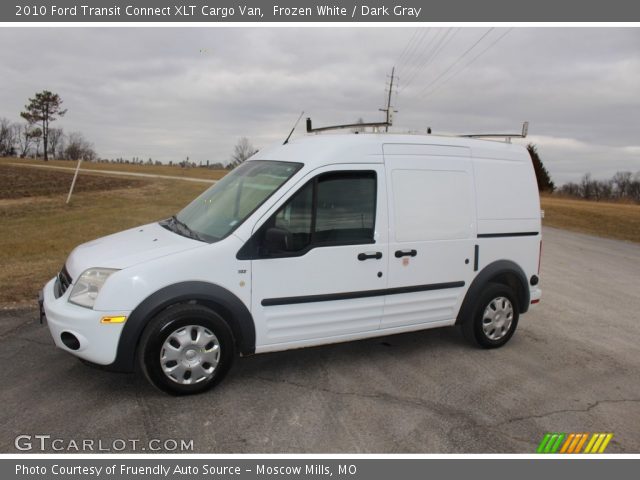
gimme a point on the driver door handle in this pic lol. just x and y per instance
(365, 256)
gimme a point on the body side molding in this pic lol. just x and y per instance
(269, 302)
(509, 234)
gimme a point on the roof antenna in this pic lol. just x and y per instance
(294, 127)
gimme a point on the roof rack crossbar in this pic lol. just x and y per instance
(310, 129)
(506, 136)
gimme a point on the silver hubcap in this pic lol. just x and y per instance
(497, 318)
(190, 354)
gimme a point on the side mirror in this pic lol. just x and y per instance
(277, 240)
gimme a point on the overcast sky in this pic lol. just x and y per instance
(169, 93)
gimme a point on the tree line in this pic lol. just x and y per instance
(623, 186)
(21, 140)
(35, 136)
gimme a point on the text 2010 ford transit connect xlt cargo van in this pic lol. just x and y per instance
(328, 238)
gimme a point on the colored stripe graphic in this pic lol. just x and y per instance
(543, 443)
(567, 442)
(581, 443)
(606, 441)
(551, 442)
(555, 442)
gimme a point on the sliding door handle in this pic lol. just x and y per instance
(368, 255)
(406, 253)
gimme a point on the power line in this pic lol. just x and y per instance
(425, 55)
(448, 69)
(415, 52)
(406, 47)
(464, 67)
(444, 40)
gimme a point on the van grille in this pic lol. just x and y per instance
(63, 280)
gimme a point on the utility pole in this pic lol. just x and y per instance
(389, 111)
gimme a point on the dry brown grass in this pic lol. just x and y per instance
(38, 233)
(123, 167)
(20, 182)
(613, 220)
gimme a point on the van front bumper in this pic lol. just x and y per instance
(78, 330)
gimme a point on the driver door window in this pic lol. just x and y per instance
(336, 208)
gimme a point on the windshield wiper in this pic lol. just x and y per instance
(186, 230)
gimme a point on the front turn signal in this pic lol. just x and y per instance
(114, 319)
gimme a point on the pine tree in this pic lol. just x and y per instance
(44, 108)
(545, 184)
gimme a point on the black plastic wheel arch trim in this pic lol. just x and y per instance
(486, 274)
(270, 302)
(240, 321)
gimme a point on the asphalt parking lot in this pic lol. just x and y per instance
(573, 366)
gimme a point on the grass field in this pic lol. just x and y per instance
(21, 182)
(123, 167)
(613, 220)
(39, 230)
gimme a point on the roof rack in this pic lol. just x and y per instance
(310, 129)
(507, 136)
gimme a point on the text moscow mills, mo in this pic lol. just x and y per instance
(207, 12)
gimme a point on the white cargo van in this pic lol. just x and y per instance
(328, 238)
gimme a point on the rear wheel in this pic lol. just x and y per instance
(186, 349)
(495, 317)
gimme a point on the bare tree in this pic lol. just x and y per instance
(25, 137)
(36, 134)
(7, 137)
(622, 182)
(586, 186)
(634, 188)
(241, 152)
(61, 147)
(79, 148)
(55, 139)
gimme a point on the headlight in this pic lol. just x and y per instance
(88, 286)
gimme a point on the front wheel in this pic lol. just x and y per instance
(186, 349)
(495, 317)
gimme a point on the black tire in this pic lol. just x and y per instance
(473, 327)
(169, 322)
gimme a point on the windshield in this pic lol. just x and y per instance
(222, 208)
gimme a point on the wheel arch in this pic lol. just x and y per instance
(215, 297)
(504, 272)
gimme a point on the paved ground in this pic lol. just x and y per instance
(572, 366)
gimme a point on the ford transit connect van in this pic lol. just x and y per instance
(328, 238)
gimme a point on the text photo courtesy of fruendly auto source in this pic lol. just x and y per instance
(320, 240)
